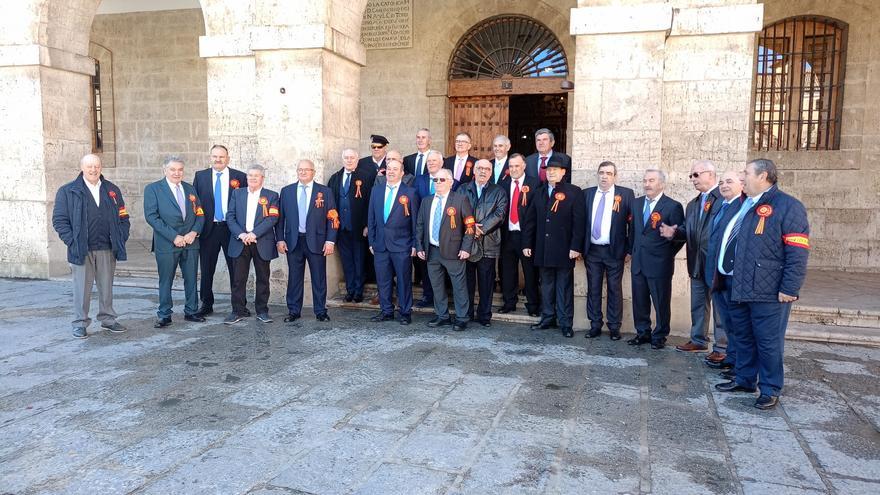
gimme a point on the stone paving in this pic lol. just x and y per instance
(351, 406)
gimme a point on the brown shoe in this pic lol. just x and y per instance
(691, 347)
(715, 357)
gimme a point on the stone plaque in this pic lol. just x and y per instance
(387, 24)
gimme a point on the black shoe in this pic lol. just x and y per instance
(439, 322)
(194, 318)
(322, 317)
(766, 402)
(535, 314)
(80, 332)
(567, 332)
(638, 340)
(116, 327)
(405, 320)
(460, 326)
(544, 325)
(593, 333)
(728, 375)
(205, 310)
(358, 298)
(732, 386)
(382, 317)
(657, 345)
(505, 309)
(233, 318)
(291, 318)
(348, 298)
(264, 318)
(718, 366)
(424, 303)
(162, 322)
(485, 323)
(614, 334)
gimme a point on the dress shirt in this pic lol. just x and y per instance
(443, 215)
(729, 228)
(299, 186)
(605, 238)
(253, 200)
(499, 166)
(95, 190)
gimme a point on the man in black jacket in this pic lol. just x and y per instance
(91, 219)
(376, 161)
(536, 163)
(461, 164)
(520, 190)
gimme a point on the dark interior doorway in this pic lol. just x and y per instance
(528, 113)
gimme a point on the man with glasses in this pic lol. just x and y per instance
(417, 163)
(376, 161)
(536, 163)
(306, 232)
(462, 163)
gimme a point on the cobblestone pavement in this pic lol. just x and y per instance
(350, 406)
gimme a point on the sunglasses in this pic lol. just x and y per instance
(439, 179)
(377, 146)
(697, 174)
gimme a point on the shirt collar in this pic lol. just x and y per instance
(172, 185)
(255, 193)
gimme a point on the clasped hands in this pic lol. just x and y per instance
(185, 240)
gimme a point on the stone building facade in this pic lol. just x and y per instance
(655, 84)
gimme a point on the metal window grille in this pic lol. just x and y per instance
(799, 76)
(98, 134)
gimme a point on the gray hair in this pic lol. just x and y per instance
(765, 165)
(424, 129)
(659, 173)
(346, 150)
(502, 138)
(258, 168)
(546, 131)
(170, 159)
(708, 164)
(435, 152)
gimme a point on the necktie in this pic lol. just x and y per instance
(458, 167)
(431, 184)
(597, 218)
(180, 203)
(419, 170)
(719, 215)
(389, 201)
(646, 213)
(303, 208)
(346, 183)
(703, 197)
(514, 203)
(549, 191)
(438, 219)
(730, 247)
(542, 170)
(218, 199)
(479, 192)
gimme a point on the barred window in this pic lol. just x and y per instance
(799, 84)
(98, 131)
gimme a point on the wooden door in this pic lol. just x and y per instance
(483, 117)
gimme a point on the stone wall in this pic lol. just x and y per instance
(157, 99)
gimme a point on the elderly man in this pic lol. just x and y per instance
(489, 203)
(376, 161)
(214, 187)
(392, 229)
(520, 190)
(462, 163)
(730, 187)
(175, 213)
(251, 218)
(416, 164)
(536, 163)
(500, 148)
(407, 178)
(91, 219)
(554, 236)
(351, 187)
(653, 259)
(763, 256)
(606, 248)
(444, 234)
(306, 232)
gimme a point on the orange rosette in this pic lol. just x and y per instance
(451, 213)
(467, 168)
(763, 212)
(707, 207)
(319, 200)
(469, 223)
(558, 197)
(264, 203)
(655, 219)
(192, 199)
(617, 200)
(333, 216)
(234, 183)
(403, 200)
(524, 191)
(357, 185)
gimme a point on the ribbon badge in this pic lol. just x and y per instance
(357, 184)
(234, 183)
(707, 207)
(524, 191)
(264, 203)
(273, 211)
(319, 200)
(333, 216)
(655, 219)
(763, 212)
(558, 197)
(451, 213)
(797, 240)
(469, 224)
(196, 209)
(403, 200)
(467, 168)
(122, 211)
(617, 200)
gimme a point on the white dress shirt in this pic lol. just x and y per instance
(653, 203)
(95, 190)
(727, 230)
(253, 202)
(436, 242)
(514, 227)
(499, 166)
(605, 238)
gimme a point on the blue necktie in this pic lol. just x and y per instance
(389, 201)
(419, 170)
(479, 192)
(218, 199)
(303, 208)
(431, 184)
(438, 218)
(719, 215)
(703, 197)
(346, 183)
(647, 212)
(597, 218)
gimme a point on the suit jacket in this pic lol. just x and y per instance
(366, 163)
(552, 234)
(204, 185)
(452, 240)
(504, 170)
(322, 222)
(533, 161)
(163, 215)
(398, 234)
(490, 210)
(528, 188)
(620, 232)
(695, 231)
(716, 235)
(653, 255)
(467, 173)
(409, 163)
(422, 185)
(265, 219)
(357, 210)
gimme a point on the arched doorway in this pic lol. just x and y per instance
(505, 77)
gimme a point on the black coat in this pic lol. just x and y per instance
(409, 163)
(70, 218)
(695, 231)
(366, 164)
(552, 234)
(490, 210)
(358, 206)
(620, 227)
(652, 254)
(204, 185)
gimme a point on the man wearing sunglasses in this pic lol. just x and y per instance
(376, 161)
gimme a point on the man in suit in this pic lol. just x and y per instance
(306, 231)
(444, 235)
(214, 187)
(461, 164)
(351, 187)
(653, 259)
(520, 190)
(416, 164)
(554, 236)
(500, 148)
(376, 161)
(763, 254)
(392, 230)
(91, 219)
(173, 210)
(407, 179)
(606, 248)
(489, 204)
(251, 217)
(536, 163)
(695, 232)
(730, 187)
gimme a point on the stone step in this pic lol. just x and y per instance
(837, 334)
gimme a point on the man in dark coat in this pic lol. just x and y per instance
(520, 190)
(416, 164)
(536, 163)
(461, 164)
(376, 161)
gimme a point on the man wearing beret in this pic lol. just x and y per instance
(376, 161)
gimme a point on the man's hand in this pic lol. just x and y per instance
(573, 255)
(666, 231)
(180, 241)
(412, 252)
(372, 251)
(281, 246)
(421, 255)
(191, 237)
(463, 255)
(479, 227)
(328, 248)
(785, 298)
(527, 253)
(251, 238)
(365, 231)
(628, 258)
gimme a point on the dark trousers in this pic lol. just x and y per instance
(760, 334)
(352, 251)
(296, 270)
(646, 290)
(421, 268)
(438, 268)
(557, 295)
(721, 303)
(481, 275)
(601, 265)
(209, 251)
(389, 266)
(511, 259)
(239, 285)
(166, 264)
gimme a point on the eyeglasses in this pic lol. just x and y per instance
(439, 179)
(377, 146)
(461, 141)
(697, 174)
(305, 170)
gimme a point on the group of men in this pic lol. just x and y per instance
(460, 220)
